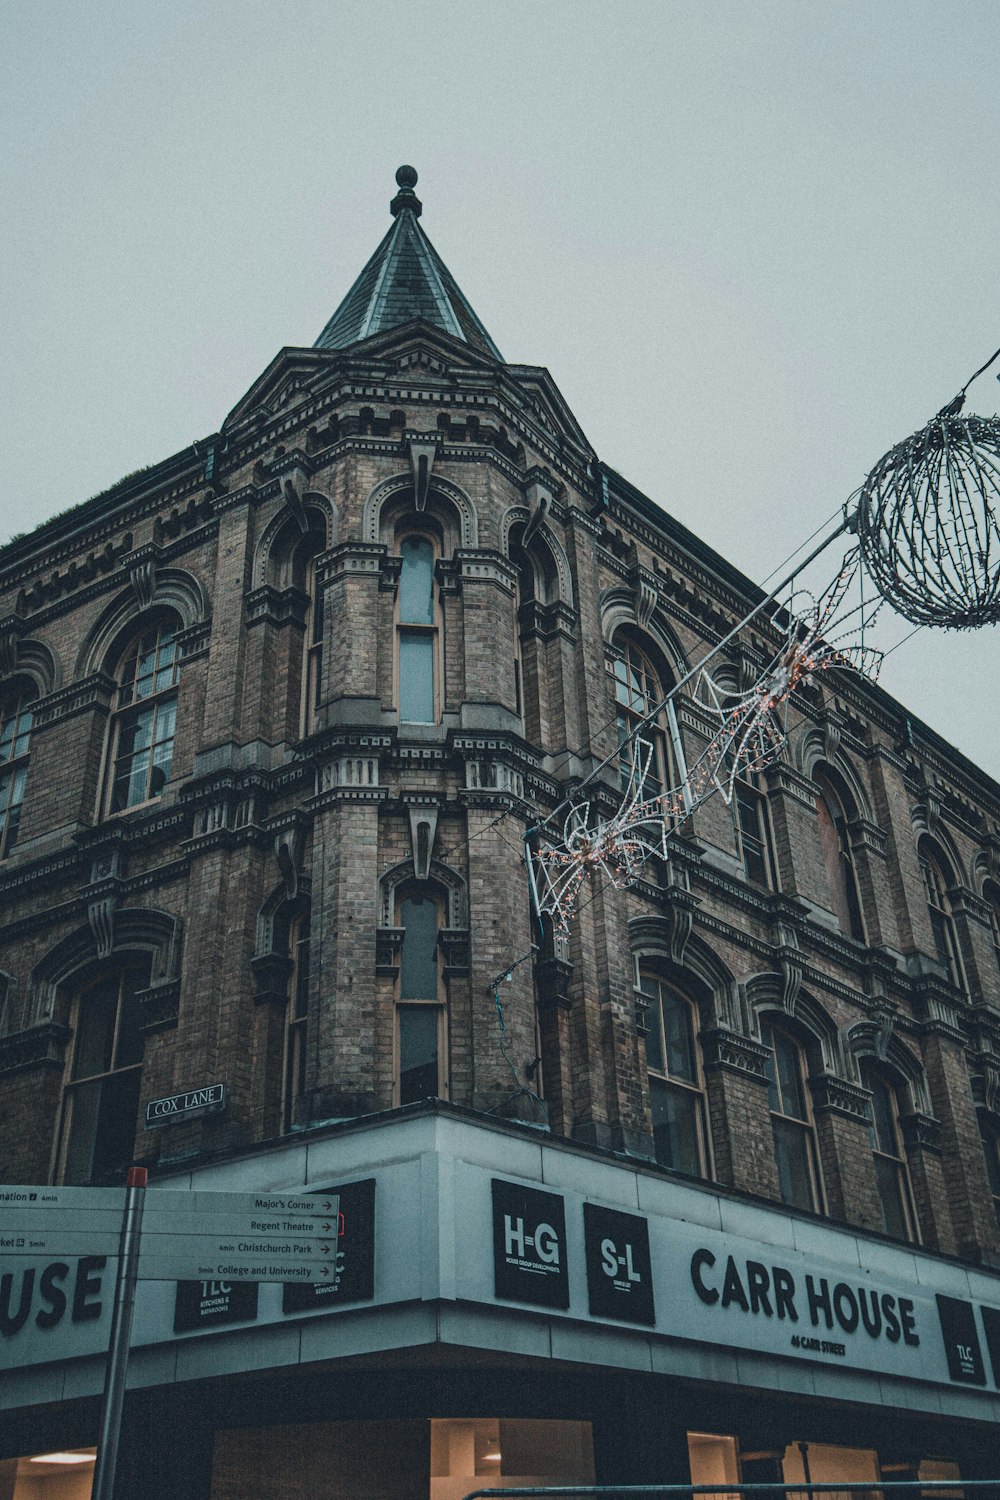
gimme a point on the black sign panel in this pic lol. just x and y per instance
(961, 1341)
(619, 1273)
(354, 1271)
(529, 1245)
(991, 1325)
(205, 1304)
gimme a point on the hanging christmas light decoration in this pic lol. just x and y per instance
(753, 730)
(929, 520)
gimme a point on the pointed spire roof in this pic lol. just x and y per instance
(405, 279)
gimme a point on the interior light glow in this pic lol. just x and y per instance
(64, 1458)
(492, 1458)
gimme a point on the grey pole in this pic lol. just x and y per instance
(121, 1330)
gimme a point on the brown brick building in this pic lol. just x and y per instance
(277, 713)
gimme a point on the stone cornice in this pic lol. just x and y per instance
(36, 1047)
(833, 1095)
(723, 1050)
(94, 692)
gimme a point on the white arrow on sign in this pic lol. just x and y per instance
(154, 1267)
(74, 1221)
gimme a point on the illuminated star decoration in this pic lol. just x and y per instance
(753, 731)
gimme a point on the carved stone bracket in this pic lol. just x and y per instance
(388, 946)
(921, 1132)
(271, 972)
(41, 1046)
(938, 1006)
(833, 1095)
(645, 589)
(289, 847)
(142, 567)
(866, 835)
(454, 945)
(12, 628)
(552, 981)
(276, 606)
(727, 1051)
(101, 917)
(159, 1006)
(423, 826)
(989, 1067)
(293, 489)
(422, 448)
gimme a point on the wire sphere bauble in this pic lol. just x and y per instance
(929, 523)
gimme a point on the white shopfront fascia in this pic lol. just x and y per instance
(737, 1292)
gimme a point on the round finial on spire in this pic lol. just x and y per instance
(406, 178)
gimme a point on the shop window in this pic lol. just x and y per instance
(417, 632)
(841, 881)
(753, 830)
(296, 1018)
(420, 1043)
(638, 694)
(101, 1094)
(65, 1474)
(714, 1459)
(482, 1453)
(142, 729)
(675, 1089)
(791, 1119)
(937, 881)
(830, 1464)
(891, 1176)
(15, 731)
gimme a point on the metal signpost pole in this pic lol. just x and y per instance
(121, 1329)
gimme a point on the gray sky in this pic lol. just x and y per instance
(755, 244)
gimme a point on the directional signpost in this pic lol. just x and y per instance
(167, 1236)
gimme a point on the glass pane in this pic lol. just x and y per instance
(416, 581)
(129, 1048)
(95, 1029)
(675, 1127)
(786, 1055)
(791, 1150)
(418, 1052)
(116, 1122)
(890, 1192)
(884, 1121)
(85, 1103)
(656, 1056)
(418, 973)
(416, 678)
(679, 1037)
(621, 686)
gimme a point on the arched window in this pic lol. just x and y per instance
(937, 880)
(753, 829)
(675, 1087)
(417, 632)
(791, 1119)
(15, 732)
(838, 863)
(142, 732)
(296, 1019)
(638, 692)
(420, 1042)
(101, 1094)
(891, 1176)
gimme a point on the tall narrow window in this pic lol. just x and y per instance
(936, 885)
(837, 859)
(15, 732)
(297, 1018)
(143, 730)
(101, 1097)
(417, 632)
(638, 693)
(891, 1176)
(791, 1119)
(675, 1094)
(312, 673)
(753, 836)
(991, 1146)
(420, 1073)
(991, 894)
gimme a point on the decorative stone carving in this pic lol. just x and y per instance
(289, 845)
(537, 490)
(725, 1049)
(388, 945)
(159, 1006)
(833, 1095)
(41, 1046)
(293, 489)
(454, 945)
(101, 916)
(422, 448)
(423, 827)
